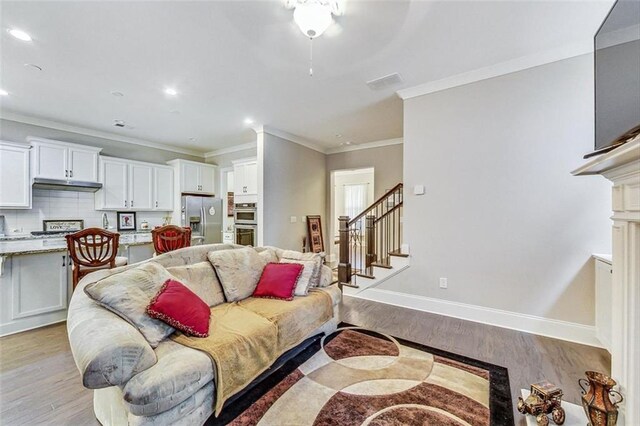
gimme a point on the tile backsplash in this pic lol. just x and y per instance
(57, 205)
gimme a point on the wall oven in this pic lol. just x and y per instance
(245, 214)
(246, 235)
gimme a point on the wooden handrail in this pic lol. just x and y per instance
(388, 212)
(375, 203)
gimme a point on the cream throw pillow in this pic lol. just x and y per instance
(201, 279)
(317, 258)
(238, 270)
(304, 281)
(128, 294)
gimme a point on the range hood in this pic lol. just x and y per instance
(66, 185)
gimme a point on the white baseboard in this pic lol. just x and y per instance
(572, 332)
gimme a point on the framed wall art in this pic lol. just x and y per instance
(126, 221)
(314, 231)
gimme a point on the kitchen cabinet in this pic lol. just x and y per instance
(194, 177)
(163, 188)
(15, 184)
(245, 181)
(134, 185)
(34, 290)
(62, 160)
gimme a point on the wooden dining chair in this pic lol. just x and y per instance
(92, 249)
(170, 237)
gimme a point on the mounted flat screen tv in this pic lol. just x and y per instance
(617, 76)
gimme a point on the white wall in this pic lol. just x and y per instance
(293, 184)
(502, 218)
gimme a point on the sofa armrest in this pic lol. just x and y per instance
(107, 350)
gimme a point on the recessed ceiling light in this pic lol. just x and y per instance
(33, 67)
(193, 139)
(117, 94)
(3, 92)
(19, 34)
(170, 91)
(248, 121)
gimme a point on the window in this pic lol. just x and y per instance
(355, 199)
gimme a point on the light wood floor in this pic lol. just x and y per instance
(39, 382)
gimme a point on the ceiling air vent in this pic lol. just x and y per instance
(384, 82)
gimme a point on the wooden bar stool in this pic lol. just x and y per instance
(170, 237)
(92, 249)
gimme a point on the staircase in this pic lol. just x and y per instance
(371, 243)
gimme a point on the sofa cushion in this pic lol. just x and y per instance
(268, 254)
(278, 281)
(295, 319)
(178, 374)
(128, 293)
(238, 271)
(202, 280)
(317, 258)
(181, 308)
(304, 282)
(326, 276)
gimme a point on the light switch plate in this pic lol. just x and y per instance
(294, 219)
(418, 190)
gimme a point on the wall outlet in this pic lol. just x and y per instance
(443, 283)
(294, 219)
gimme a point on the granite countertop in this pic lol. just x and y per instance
(46, 243)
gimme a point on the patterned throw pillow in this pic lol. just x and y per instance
(127, 294)
(304, 282)
(181, 308)
(238, 270)
(278, 281)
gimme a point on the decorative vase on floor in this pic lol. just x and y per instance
(601, 411)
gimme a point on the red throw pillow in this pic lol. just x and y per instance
(278, 281)
(181, 308)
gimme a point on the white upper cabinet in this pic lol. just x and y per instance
(195, 178)
(114, 176)
(163, 188)
(141, 186)
(61, 160)
(245, 181)
(15, 185)
(134, 185)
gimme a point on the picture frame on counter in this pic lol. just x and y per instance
(126, 221)
(62, 225)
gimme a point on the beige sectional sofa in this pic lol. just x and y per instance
(170, 384)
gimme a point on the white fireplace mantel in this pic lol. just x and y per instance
(622, 167)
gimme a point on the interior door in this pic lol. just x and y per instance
(190, 178)
(114, 181)
(141, 189)
(207, 176)
(163, 188)
(51, 162)
(83, 165)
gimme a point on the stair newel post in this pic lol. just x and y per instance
(344, 267)
(370, 238)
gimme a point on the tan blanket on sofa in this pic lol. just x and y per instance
(244, 341)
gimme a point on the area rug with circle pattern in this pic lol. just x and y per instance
(359, 377)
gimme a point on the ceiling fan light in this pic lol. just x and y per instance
(313, 18)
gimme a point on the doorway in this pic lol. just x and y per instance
(352, 191)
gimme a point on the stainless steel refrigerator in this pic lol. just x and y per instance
(204, 215)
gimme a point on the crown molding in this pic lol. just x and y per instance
(230, 149)
(496, 70)
(10, 116)
(368, 145)
(293, 138)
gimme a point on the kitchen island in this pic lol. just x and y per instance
(36, 278)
